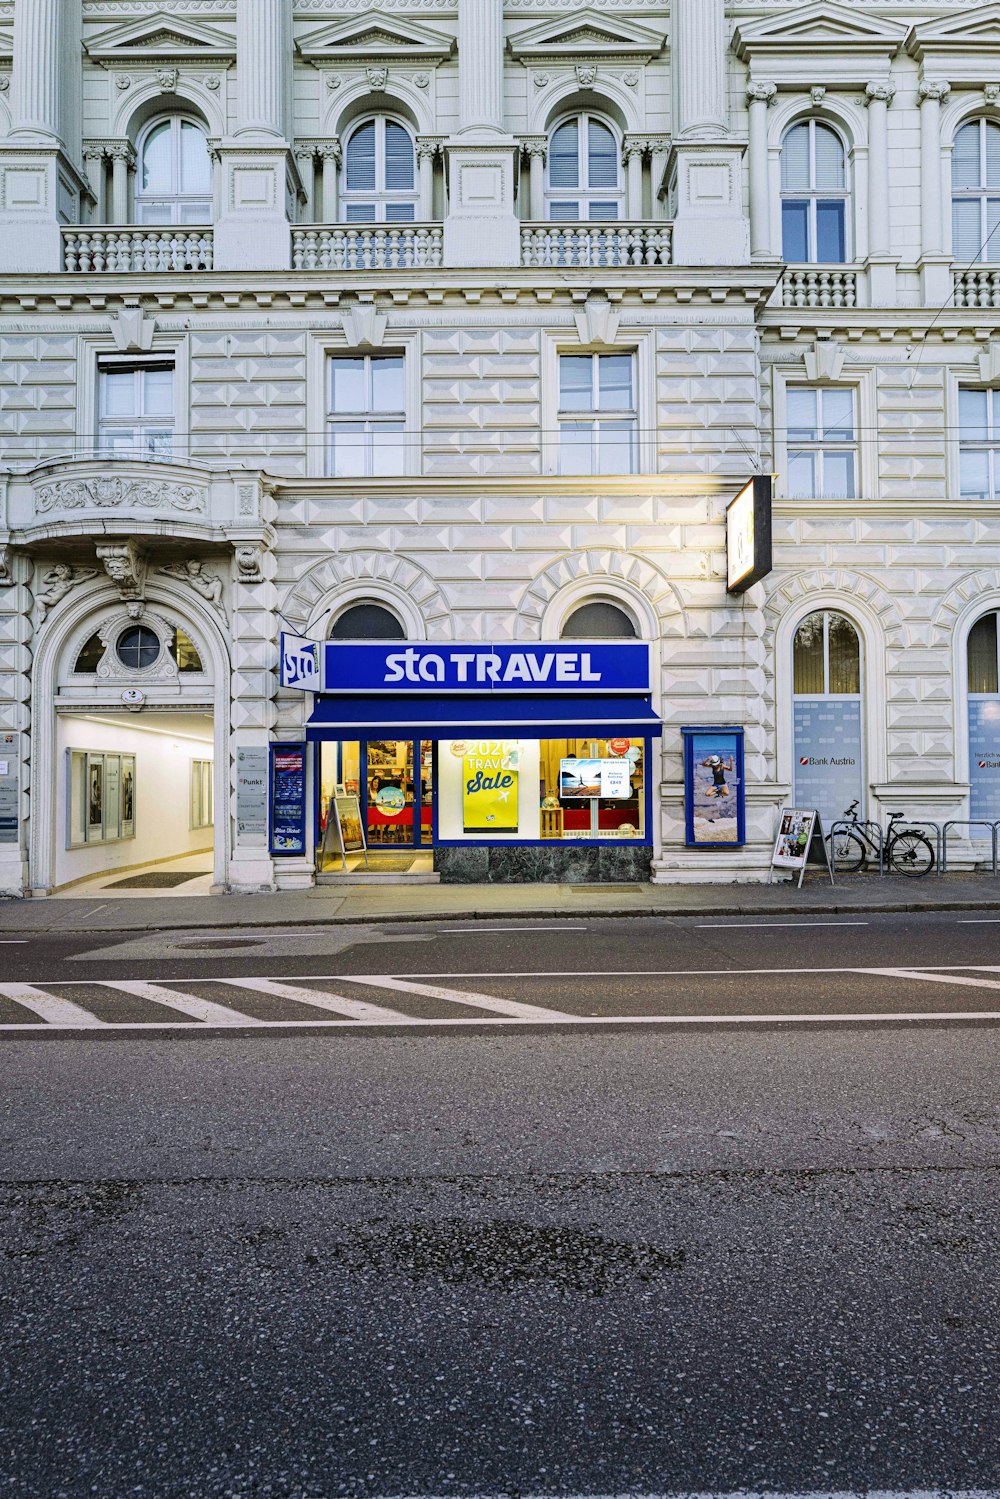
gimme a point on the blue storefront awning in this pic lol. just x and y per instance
(483, 716)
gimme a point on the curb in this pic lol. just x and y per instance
(602, 913)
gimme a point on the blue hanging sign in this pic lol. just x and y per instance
(288, 799)
(300, 662)
(573, 667)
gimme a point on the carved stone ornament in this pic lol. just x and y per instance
(762, 92)
(213, 81)
(133, 330)
(111, 668)
(817, 93)
(377, 77)
(989, 362)
(125, 565)
(364, 326)
(991, 93)
(597, 324)
(4, 82)
(824, 361)
(881, 91)
(113, 493)
(58, 582)
(333, 80)
(630, 79)
(540, 79)
(122, 81)
(421, 80)
(248, 564)
(935, 89)
(586, 75)
(167, 77)
(6, 575)
(192, 572)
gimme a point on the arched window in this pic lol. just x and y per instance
(174, 179)
(813, 194)
(983, 666)
(367, 622)
(91, 654)
(584, 170)
(598, 621)
(826, 675)
(379, 176)
(975, 203)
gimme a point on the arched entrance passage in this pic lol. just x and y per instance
(130, 747)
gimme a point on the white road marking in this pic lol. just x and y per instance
(13, 941)
(51, 1009)
(352, 1009)
(771, 1494)
(938, 978)
(766, 926)
(979, 921)
(553, 1020)
(187, 1004)
(508, 1007)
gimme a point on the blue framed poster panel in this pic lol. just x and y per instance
(714, 788)
(287, 799)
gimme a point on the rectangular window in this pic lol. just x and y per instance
(136, 410)
(202, 811)
(588, 789)
(979, 443)
(366, 416)
(822, 443)
(598, 420)
(101, 797)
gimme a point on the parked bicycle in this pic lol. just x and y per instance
(906, 850)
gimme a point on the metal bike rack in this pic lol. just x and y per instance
(973, 822)
(872, 830)
(918, 825)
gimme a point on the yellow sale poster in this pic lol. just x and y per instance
(489, 789)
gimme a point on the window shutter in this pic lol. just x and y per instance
(965, 223)
(992, 155)
(829, 161)
(965, 157)
(398, 159)
(602, 156)
(361, 160)
(564, 161)
(795, 160)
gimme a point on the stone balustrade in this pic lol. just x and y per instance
(137, 247)
(809, 286)
(977, 288)
(595, 244)
(367, 247)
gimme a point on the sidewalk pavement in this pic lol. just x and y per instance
(364, 904)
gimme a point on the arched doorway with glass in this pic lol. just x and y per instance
(828, 715)
(984, 719)
(393, 779)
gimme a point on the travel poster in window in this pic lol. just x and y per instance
(489, 788)
(714, 790)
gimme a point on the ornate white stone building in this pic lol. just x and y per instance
(445, 322)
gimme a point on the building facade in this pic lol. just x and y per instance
(418, 325)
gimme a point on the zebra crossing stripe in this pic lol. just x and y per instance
(351, 1009)
(187, 1004)
(937, 978)
(49, 1007)
(508, 1007)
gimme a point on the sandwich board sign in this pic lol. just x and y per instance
(345, 829)
(799, 841)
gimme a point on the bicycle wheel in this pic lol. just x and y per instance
(911, 854)
(847, 852)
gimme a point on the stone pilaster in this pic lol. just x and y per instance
(253, 229)
(40, 181)
(759, 97)
(881, 262)
(935, 267)
(710, 227)
(481, 227)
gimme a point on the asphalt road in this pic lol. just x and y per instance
(634, 1248)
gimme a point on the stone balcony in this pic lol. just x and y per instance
(65, 505)
(820, 286)
(142, 248)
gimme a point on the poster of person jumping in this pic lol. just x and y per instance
(714, 792)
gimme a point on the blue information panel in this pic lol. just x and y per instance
(828, 755)
(288, 798)
(564, 667)
(984, 758)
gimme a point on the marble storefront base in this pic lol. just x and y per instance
(509, 865)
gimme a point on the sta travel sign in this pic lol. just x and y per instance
(391, 667)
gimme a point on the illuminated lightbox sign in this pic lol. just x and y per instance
(300, 662)
(748, 535)
(577, 667)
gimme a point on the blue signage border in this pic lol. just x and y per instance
(286, 799)
(713, 773)
(398, 668)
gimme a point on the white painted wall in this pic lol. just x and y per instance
(163, 793)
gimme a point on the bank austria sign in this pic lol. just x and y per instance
(394, 668)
